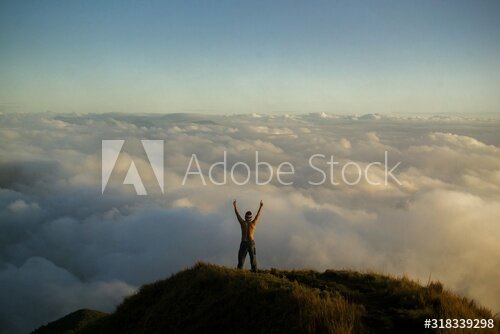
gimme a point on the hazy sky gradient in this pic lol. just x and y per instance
(253, 56)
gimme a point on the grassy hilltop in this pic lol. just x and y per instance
(213, 299)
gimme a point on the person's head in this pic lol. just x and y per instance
(248, 215)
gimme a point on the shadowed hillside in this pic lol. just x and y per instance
(71, 323)
(208, 298)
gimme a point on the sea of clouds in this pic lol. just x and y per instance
(64, 245)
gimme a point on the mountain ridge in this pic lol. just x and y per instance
(207, 298)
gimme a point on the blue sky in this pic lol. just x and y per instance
(250, 56)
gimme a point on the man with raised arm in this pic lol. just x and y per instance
(247, 241)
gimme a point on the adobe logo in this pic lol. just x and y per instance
(111, 151)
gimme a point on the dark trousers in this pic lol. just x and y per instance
(247, 246)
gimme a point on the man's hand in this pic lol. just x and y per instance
(234, 203)
(261, 203)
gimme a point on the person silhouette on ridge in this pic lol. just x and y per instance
(247, 240)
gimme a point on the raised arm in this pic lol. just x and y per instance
(256, 220)
(240, 220)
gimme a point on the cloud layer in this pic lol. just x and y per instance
(64, 245)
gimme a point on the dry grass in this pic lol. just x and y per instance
(213, 299)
